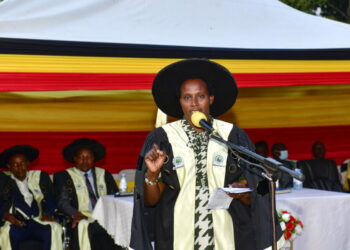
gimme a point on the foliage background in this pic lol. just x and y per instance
(333, 9)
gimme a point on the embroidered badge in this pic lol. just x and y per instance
(101, 187)
(78, 186)
(219, 161)
(178, 162)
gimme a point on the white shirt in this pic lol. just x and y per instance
(23, 188)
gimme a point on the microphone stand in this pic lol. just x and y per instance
(264, 173)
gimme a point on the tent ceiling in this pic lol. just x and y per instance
(205, 23)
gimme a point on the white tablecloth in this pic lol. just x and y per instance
(115, 215)
(325, 215)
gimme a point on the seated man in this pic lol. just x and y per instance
(78, 189)
(261, 148)
(320, 173)
(27, 203)
(280, 153)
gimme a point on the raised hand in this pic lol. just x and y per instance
(154, 161)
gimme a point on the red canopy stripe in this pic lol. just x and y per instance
(19, 81)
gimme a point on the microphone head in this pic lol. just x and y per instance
(196, 117)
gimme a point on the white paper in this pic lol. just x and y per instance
(233, 190)
(220, 200)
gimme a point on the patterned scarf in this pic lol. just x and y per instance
(204, 232)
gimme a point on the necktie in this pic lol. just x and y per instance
(90, 191)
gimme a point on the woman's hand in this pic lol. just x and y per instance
(13, 220)
(243, 197)
(154, 160)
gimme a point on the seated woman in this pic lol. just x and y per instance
(27, 203)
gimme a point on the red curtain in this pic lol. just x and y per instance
(123, 147)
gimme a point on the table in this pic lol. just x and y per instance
(115, 215)
(325, 215)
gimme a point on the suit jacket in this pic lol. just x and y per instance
(12, 196)
(66, 195)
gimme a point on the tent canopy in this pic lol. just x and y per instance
(267, 24)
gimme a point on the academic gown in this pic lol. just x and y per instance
(12, 198)
(252, 226)
(321, 174)
(67, 201)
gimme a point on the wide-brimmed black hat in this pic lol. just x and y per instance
(30, 152)
(97, 148)
(220, 83)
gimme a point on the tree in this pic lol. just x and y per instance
(333, 9)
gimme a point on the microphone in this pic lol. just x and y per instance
(200, 120)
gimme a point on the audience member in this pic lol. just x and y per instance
(27, 204)
(280, 153)
(261, 148)
(320, 173)
(78, 189)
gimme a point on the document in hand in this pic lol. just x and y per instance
(220, 200)
(233, 190)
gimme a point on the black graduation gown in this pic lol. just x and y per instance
(321, 174)
(252, 225)
(63, 184)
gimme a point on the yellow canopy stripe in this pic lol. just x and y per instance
(134, 110)
(82, 64)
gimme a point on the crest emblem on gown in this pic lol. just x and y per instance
(219, 161)
(101, 187)
(178, 162)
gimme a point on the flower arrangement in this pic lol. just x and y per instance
(290, 225)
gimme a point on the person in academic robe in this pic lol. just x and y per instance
(27, 202)
(180, 166)
(320, 172)
(78, 189)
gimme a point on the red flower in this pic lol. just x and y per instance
(285, 212)
(300, 224)
(292, 219)
(287, 235)
(290, 226)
